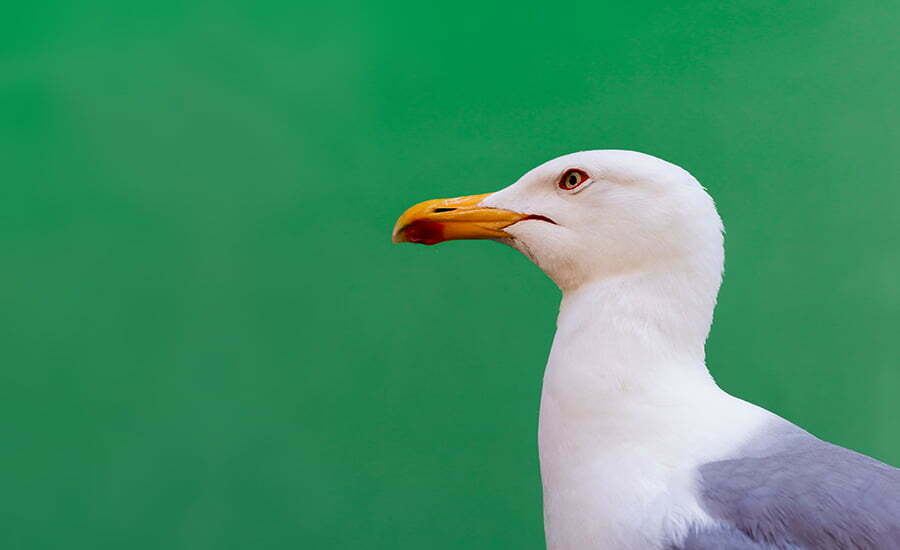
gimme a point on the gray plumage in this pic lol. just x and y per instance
(788, 490)
(723, 538)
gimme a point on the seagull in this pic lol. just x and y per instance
(639, 448)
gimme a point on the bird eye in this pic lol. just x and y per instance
(572, 178)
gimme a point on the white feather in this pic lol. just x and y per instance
(628, 409)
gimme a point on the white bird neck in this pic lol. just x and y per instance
(628, 408)
(635, 331)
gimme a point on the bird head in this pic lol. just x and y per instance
(586, 216)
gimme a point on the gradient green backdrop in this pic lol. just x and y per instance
(208, 341)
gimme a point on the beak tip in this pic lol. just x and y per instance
(398, 235)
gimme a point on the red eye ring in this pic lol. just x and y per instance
(572, 179)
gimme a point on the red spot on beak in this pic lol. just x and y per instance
(425, 232)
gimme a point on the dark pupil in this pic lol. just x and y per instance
(572, 180)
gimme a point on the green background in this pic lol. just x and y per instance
(209, 342)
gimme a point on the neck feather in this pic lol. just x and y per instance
(628, 410)
(637, 331)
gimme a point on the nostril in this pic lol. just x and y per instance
(439, 210)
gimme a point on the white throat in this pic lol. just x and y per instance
(626, 410)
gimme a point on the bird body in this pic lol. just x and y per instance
(625, 421)
(639, 448)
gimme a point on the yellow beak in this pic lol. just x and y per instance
(439, 220)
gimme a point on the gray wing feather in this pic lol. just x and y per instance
(723, 538)
(790, 489)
